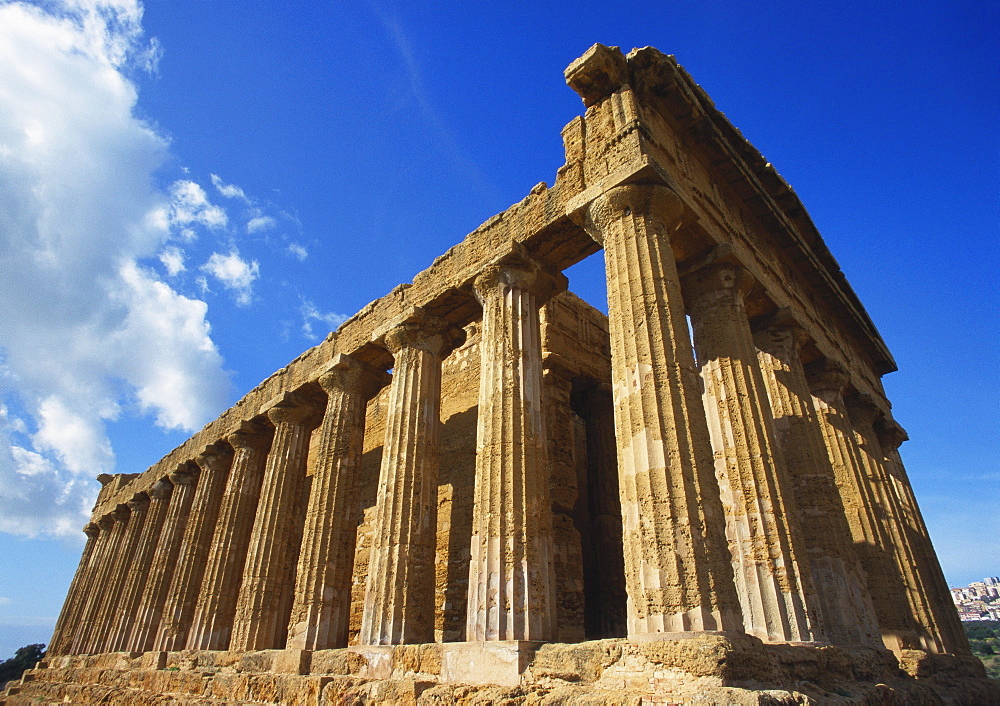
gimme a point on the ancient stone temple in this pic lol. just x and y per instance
(697, 498)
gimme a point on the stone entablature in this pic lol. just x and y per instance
(531, 463)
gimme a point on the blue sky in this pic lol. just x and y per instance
(193, 192)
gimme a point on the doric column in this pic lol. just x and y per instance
(827, 381)
(399, 593)
(863, 412)
(133, 522)
(772, 579)
(139, 568)
(261, 614)
(848, 614)
(161, 571)
(79, 587)
(677, 566)
(182, 597)
(321, 610)
(890, 436)
(107, 541)
(212, 623)
(511, 581)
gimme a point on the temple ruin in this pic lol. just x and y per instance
(697, 498)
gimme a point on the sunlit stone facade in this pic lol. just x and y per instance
(713, 465)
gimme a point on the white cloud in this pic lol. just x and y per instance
(235, 273)
(172, 259)
(5, 601)
(311, 315)
(86, 329)
(230, 191)
(260, 223)
(298, 251)
(189, 204)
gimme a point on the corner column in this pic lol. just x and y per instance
(108, 540)
(848, 614)
(262, 610)
(953, 637)
(161, 572)
(511, 578)
(138, 572)
(399, 594)
(78, 589)
(863, 413)
(182, 597)
(134, 520)
(827, 381)
(321, 609)
(677, 566)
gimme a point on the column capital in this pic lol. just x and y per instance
(161, 490)
(650, 200)
(827, 375)
(780, 330)
(290, 408)
(719, 273)
(139, 502)
(348, 374)
(106, 522)
(890, 434)
(422, 331)
(121, 513)
(517, 270)
(214, 458)
(91, 529)
(184, 474)
(249, 435)
(862, 409)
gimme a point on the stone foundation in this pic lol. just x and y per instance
(731, 668)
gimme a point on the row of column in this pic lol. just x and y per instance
(822, 541)
(753, 498)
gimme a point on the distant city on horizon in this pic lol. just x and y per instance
(980, 600)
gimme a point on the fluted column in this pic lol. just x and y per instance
(848, 614)
(321, 610)
(399, 593)
(182, 597)
(109, 537)
(863, 412)
(261, 614)
(827, 381)
(78, 589)
(677, 566)
(212, 623)
(511, 580)
(164, 563)
(954, 639)
(769, 556)
(139, 567)
(133, 522)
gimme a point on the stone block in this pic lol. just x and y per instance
(503, 662)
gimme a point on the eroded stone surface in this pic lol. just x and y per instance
(552, 478)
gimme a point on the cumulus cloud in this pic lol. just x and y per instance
(89, 332)
(312, 316)
(298, 251)
(189, 204)
(173, 260)
(235, 274)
